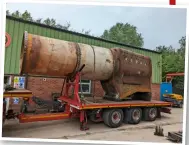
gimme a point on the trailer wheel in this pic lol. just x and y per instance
(135, 115)
(150, 114)
(105, 117)
(113, 117)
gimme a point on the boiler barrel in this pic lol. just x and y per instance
(58, 58)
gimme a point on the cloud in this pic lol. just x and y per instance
(159, 26)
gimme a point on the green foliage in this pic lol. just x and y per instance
(182, 43)
(26, 16)
(7, 12)
(16, 14)
(38, 20)
(173, 60)
(124, 33)
(48, 21)
(86, 32)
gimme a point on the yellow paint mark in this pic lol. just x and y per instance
(17, 95)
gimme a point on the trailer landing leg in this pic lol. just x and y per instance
(83, 121)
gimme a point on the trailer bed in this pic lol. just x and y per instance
(90, 103)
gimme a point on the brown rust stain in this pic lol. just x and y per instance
(129, 90)
(27, 55)
(35, 52)
(50, 57)
(71, 47)
(132, 74)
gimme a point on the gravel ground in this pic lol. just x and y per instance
(69, 129)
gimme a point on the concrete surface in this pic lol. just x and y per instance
(69, 129)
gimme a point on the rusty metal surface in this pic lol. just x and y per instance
(122, 73)
(53, 57)
(46, 56)
(98, 62)
(175, 136)
(131, 77)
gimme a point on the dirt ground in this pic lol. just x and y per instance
(69, 129)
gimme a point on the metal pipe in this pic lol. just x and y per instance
(122, 73)
(52, 57)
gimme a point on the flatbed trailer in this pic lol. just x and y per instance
(112, 113)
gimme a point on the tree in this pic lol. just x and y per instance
(164, 49)
(39, 20)
(181, 62)
(86, 32)
(7, 12)
(50, 22)
(182, 43)
(26, 16)
(16, 14)
(173, 60)
(67, 26)
(59, 26)
(124, 33)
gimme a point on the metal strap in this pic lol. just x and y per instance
(78, 53)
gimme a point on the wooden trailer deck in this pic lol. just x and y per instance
(91, 103)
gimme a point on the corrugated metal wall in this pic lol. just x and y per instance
(17, 27)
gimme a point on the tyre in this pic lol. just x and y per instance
(113, 117)
(150, 114)
(134, 115)
(93, 116)
(105, 117)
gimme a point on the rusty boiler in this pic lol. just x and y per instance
(123, 74)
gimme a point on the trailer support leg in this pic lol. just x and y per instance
(83, 121)
(158, 113)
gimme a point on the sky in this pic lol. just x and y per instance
(158, 26)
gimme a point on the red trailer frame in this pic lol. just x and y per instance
(76, 107)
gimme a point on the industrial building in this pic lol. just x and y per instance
(44, 87)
